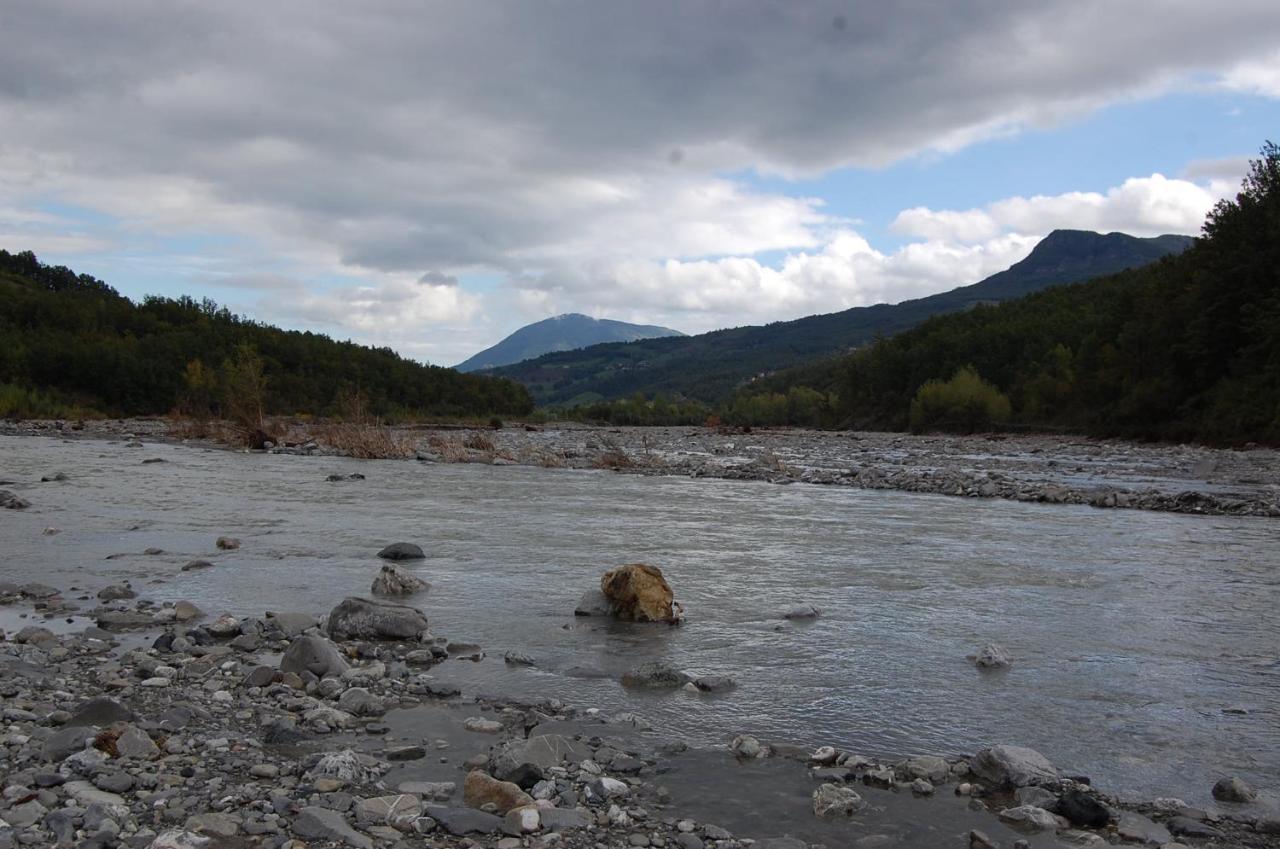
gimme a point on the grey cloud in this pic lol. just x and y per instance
(405, 136)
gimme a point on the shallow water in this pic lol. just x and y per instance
(1131, 632)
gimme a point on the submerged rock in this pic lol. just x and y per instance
(803, 611)
(10, 501)
(639, 593)
(593, 603)
(1233, 790)
(656, 676)
(394, 580)
(370, 619)
(836, 800)
(991, 656)
(401, 551)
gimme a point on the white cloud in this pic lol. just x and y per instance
(1256, 76)
(1141, 206)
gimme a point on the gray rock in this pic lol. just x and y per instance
(401, 551)
(990, 656)
(1029, 818)
(227, 543)
(1188, 827)
(314, 654)
(369, 619)
(177, 838)
(714, 683)
(655, 676)
(10, 501)
(358, 701)
(517, 658)
(1139, 829)
(462, 821)
(197, 565)
(1037, 796)
(1013, 766)
(315, 823)
(115, 592)
(593, 603)
(393, 580)
(836, 800)
(929, 767)
(1233, 790)
(133, 742)
(562, 819)
(216, 824)
(100, 710)
(693, 841)
(291, 624)
(802, 612)
(65, 742)
(1083, 808)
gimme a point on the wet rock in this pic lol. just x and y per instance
(562, 819)
(1013, 766)
(37, 591)
(358, 701)
(405, 753)
(928, 767)
(980, 840)
(610, 788)
(655, 676)
(1233, 790)
(480, 725)
(400, 809)
(65, 742)
(990, 656)
(177, 838)
(802, 612)
(115, 592)
(1083, 809)
(438, 791)
(517, 658)
(291, 624)
(401, 551)
(484, 792)
(1188, 827)
(197, 565)
(227, 543)
(393, 580)
(1139, 829)
(54, 478)
(639, 593)
(313, 654)
(1037, 796)
(10, 501)
(369, 619)
(1029, 818)
(714, 683)
(836, 800)
(315, 823)
(746, 746)
(593, 603)
(185, 611)
(123, 620)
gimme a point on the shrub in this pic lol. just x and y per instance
(964, 404)
(362, 435)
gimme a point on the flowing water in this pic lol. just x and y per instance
(1146, 646)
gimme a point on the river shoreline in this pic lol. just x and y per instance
(156, 725)
(1029, 468)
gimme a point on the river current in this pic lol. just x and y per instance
(1145, 646)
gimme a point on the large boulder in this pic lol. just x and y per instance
(593, 603)
(10, 501)
(639, 593)
(486, 793)
(394, 580)
(1013, 766)
(369, 619)
(313, 653)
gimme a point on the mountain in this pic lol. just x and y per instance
(1186, 348)
(711, 366)
(562, 333)
(73, 345)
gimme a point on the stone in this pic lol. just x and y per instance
(291, 624)
(714, 683)
(400, 809)
(185, 611)
(929, 767)
(393, 580)
(802, 612)
(315, 823)
(480, 725)
(100, 710)
(215, 824)
(224, 626)
(260, 676)
(1029, 818)
(522, 821)
(655, 676)
(368, 619)
(401, 551)
(610, 788)
(463, 821)
(227, 543)
(10, 501)
(483, 791)
(1013, 766)
(824, 755)
(116, 592)
(639, 593)
(1037, 796)
(593, 603)
(1083, 809)
(1188, 827)
(133, 742)
(1233, 790)
(746, 746)
(1139, 829)
(197, 565)
(836, 800)
(358, 701)
(990, 656)
(516, 658)
(65, 742)
(562, 819)
(314, 654)
(405, 753)
(438, 791)
(980, 840)
(176, 838)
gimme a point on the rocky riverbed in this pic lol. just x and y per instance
(130, 723)
(1031, 468)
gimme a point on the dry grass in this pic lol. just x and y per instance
(478, 441)
(448, 446)
(612, 456)
(362, 435)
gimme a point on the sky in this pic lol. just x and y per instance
(431, 176)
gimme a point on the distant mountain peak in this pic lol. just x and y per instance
(565, 332)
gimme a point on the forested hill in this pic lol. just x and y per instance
(74, 339)
(710, 366)
(1185, 349)
(566, 332)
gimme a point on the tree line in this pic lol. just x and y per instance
(70, 342)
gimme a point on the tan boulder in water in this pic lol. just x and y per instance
(639, 592)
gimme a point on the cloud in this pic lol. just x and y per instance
(1141, 206)
(1256, 76)
(387, 306)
